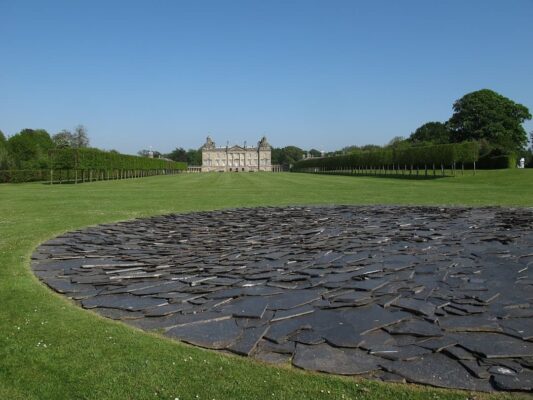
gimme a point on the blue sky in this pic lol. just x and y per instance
(316, 74)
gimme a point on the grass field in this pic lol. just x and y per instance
(51, 349)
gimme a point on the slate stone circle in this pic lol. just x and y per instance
(436, 296)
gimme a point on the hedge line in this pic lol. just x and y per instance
(87, 159)
(24, 175)
(410, 157)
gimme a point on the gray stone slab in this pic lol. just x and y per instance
(124, 302)
(438, 370)
(247, 307)
(416, 306)
(415, 327)
(520, 382)
(494, 345)
(325, 358)
(248, 340)
(212, 335)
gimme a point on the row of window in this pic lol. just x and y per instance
(235, 163)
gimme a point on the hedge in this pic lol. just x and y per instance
(25, 175)
(86, 165)
(95, 159)
(414, 157)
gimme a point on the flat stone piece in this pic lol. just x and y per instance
(406, 283)
(469, 323)
(494, 345)
(440, 371)
(123, 302)
(519, 382)
(416, 306)
(247, 307)
(415, 327)
(248, 340)
(212, 335)
(325, 358)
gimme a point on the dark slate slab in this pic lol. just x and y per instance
(469, 323)
(248, 340)
(212, 335)
(520, 382)
(440, 371)
(416, 306)
(415, 327)
(325, 358)
(247, 307)
(494, 345)
(124, 302)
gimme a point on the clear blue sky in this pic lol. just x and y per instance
(316, 74)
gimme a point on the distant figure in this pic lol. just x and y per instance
(522, 163)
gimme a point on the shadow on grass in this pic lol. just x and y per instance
(413, 176)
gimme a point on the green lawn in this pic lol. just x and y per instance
(51, 349)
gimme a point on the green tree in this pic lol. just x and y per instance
(315, 153)
(485, 114)
(431, 132)
(63, 139)
(290, 155)
(194, 157)
(178, 154)
(4, 156)
(29, 149)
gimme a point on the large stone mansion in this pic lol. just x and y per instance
(236, 158)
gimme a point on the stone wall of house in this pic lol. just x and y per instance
(236, 158)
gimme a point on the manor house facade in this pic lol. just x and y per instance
(236, 158)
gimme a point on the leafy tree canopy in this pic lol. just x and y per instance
(286, 156)
(431, 132)
(178, 154)
(29, 148)
(485, 114)
(63, 139)
(194, 157)
(315, 153)
(3, 152)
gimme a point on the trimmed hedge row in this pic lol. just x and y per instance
(24, 175)
(87, 165)
(414, 157)
(96, 159)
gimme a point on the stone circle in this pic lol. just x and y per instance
(430, 295)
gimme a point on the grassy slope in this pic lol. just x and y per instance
(90, 357)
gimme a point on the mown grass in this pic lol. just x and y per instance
(51, 349)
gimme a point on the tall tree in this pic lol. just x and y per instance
(485, 114)
(286, 156)
(178, 154)
(80, 137)
(29, 148)
(3, 152)
(315, 153)
(63, 139)
(194, 157)
(431, 132)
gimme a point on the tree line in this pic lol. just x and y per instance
(29, 149)
(484, 116)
